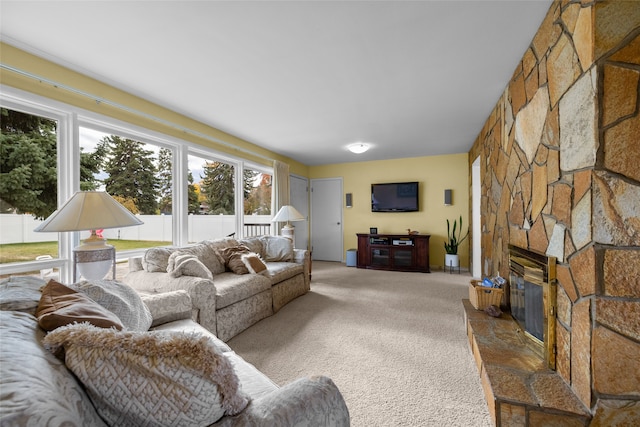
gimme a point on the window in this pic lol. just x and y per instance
(212, 200)
(257, 188)
(146, 171)
(139, 176)
(28, 187)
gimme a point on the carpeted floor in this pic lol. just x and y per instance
(393, 342)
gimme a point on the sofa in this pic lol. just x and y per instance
(233, 283)
(96, 365)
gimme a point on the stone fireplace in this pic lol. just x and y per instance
(559, 175)
(532, 300)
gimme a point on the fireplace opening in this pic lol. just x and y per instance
(532, 287)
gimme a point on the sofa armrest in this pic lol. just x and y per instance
(168, 306)
(312, 401)
(303, 256)
(135, 263)
(201, 291)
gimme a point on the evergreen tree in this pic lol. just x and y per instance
(132, 174)
(165, 180)
(259, 199)
(218, 187)
(90, 166)
(28, 164)
(194, 196)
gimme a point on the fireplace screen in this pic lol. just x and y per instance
(533, 299)
(528, 311)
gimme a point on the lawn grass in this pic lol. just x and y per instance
(21, 252)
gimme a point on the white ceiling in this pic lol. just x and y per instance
(301, 78)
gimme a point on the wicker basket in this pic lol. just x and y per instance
(482, 297)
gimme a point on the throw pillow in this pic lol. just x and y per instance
(21, 293)
(155, 260)
(151, 378)
(232, 257)
(185, 264)
(60, 305)
(214, 246)
(254, 244)
(120, 299)
(206, 254)
(277, 248)
(254, 263)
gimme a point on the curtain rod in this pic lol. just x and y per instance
(101, 100)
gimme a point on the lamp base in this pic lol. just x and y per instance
(93, 259)
(289, 232)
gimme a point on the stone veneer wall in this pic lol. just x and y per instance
(560, 169)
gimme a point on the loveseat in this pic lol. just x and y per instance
(175, 373)
(224, 279)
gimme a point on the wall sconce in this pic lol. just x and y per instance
(448, 197)
(349, 201)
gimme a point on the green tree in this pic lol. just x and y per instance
(132, 173)
(218, 187)
(28, 163)
(258, 200)
(90, 166)
(194, 196)
(165, 180)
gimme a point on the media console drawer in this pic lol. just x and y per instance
(399, 252)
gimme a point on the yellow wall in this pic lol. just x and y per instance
(70, 86)
(435, 174)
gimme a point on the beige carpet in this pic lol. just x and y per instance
(394, 343)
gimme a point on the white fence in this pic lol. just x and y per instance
(19, 228)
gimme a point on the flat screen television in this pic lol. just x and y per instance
(395, 197)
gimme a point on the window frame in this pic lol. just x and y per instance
(70, 118)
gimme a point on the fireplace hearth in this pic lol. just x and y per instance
(532, 298)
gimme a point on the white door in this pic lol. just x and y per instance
(326, 219)
(299, 197)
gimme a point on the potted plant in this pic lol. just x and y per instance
(453, 241)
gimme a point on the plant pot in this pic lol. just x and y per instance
(451, 260)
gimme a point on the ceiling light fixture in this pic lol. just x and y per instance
(358, 147)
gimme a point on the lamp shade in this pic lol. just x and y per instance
(288, 213)
(89, 210)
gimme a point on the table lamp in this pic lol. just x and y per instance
(90, 210)
(288, 213)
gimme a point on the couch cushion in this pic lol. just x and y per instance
(120, 299)
(253, 382)
(216, 264)
(280, 271)
(231, 287)
(277, 248)
(155, 260)
(21, 293)
(255, 244)
(185, 264)
(150, 378)
(37, 388)
(61, 305)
